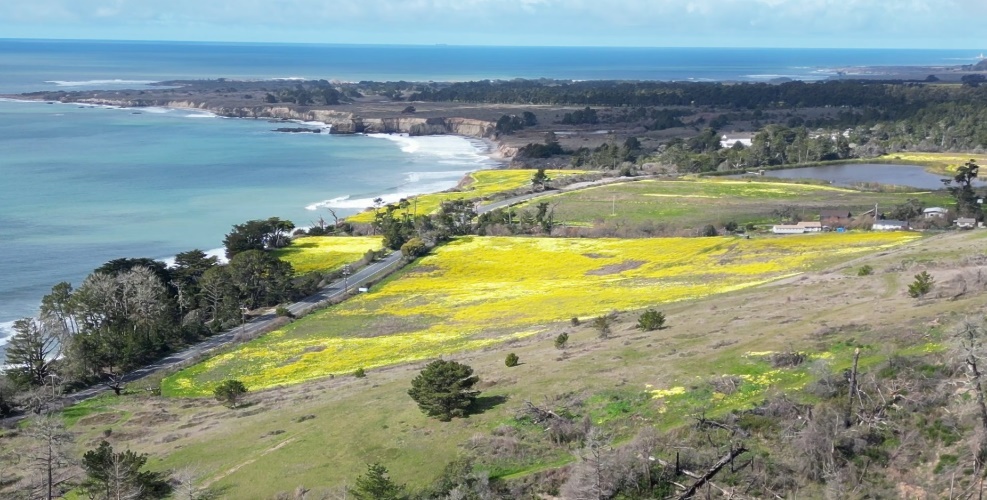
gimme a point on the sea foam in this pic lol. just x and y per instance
(83, 83)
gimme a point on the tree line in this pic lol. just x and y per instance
(130, 312)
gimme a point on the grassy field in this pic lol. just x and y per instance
(326, 253)
(322, 433)
(479, 184)
(477, 292)
(688, 203)
(940, 163)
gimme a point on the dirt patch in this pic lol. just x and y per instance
(597, 255)
(626, 265)
(148, 419)
(100, 419)
(425, 269)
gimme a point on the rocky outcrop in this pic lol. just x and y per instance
(341, 122)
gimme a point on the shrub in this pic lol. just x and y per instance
(708, 230)
(575, 321)
(865, 270)
(444, 389)
(230, 391)
(283, 312)
(603, 325)
(512, 360)
(651, 320)
(731, 226)
(561, 340)
(922, 285)
(377, 484)
(360, 373)
(414, 247)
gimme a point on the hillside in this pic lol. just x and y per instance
(758, 367)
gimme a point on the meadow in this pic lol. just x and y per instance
(693, 202)
(326, 253)
(479, 184)
(477, 292)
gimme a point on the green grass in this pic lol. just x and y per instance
(694, 202)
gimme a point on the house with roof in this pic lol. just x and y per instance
(889, 225)
(965, 222)
(835, 216)
(935, 213)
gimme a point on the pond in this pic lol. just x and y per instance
(849, 175)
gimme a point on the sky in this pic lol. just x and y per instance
(646, 23)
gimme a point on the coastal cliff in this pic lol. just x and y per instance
(340, 122)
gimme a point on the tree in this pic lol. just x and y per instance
(260, 278)
(530, 120)
(966, 197)
(377, 485)
(48, 455)
(512, 360)
(651, 320)
(708, 230)
(922, 285)
(258, 235)
(117, 476)
(31, 351)
(444, 389)
(539, 179)
(230, 392)
(413, 248)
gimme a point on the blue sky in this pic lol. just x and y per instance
(656, 23)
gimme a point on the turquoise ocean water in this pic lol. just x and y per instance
(83, 185)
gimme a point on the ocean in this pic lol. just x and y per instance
(80, 186)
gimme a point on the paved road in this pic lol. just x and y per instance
(332, 291)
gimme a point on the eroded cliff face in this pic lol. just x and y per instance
(341, 122)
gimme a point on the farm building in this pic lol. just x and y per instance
(935, 213)
(966, 222)
(800, 228)
(889, 225)
(837, 216)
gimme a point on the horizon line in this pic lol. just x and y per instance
(344, 44)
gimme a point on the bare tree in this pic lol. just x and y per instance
(188, 479)
(970, 336)
(47, 456)
(592, 478)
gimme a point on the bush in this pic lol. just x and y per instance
(561, 340)
(651, 320)
(444, 389)
(708, 230)
(230, 391)
(512, 360)
(360, 373)
(922, 285)
(283, 312)
(414, 247)
(865, 270)
(603, 325)
(731, 226)
(575, 321)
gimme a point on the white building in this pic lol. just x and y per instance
(889, 225)
(966, 222)
(935, 213)
(728, 140)
(800, 228)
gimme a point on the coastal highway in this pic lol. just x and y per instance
(333, 291)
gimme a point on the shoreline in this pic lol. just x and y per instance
(483, 148)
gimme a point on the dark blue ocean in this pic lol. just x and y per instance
(82, 185)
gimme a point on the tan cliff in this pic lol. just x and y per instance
(341, 122)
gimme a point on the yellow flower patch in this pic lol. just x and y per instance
(476, 292)
(325, 253)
